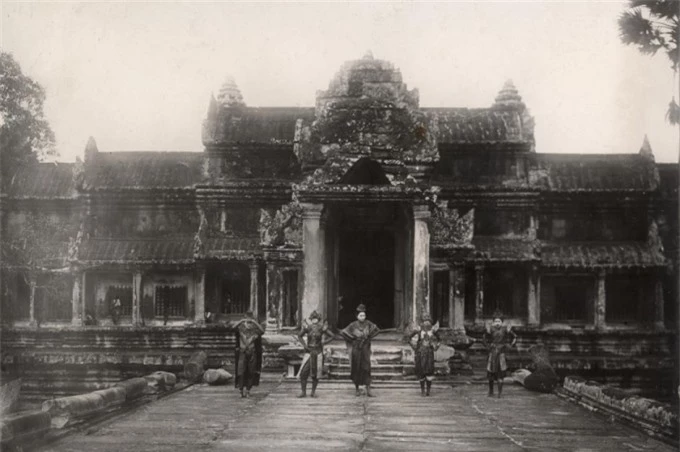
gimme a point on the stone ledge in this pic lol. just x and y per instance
(657, 419)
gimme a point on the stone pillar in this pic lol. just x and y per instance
(77, 300)
(253, 287)
(421, 262)
(199, 296)
(136, 297)
(314, 250)
(457, 297)
(273, 299)
(32, 282)
(600, 300)
(479, 293)
(533, 298)
(658, 303)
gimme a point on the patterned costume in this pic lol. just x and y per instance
(497, 340)
(248, 355)
(425, 342)
(312, 362)
(358, 335)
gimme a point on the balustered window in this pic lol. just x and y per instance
(440, 297)
(235, 289)
(629, 299)
(171, 301)
(290, 297)
(567, 299)
(53, 295)
(122, 293)
(505, 290)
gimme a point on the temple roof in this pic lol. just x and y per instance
(468, 125)
(508, 250)
(43, 180)
(594, 172)
(143, 170)
(232, 247)
(161, 251)
(602, 254)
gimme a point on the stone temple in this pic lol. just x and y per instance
(111, 265)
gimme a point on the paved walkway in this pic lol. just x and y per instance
(204, 418)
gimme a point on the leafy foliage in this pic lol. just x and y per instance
(653, 26)
(25, 134)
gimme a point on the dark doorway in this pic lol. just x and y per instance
(366, 275)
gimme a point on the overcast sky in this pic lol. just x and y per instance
(138, 76)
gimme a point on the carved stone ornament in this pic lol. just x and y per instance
(282, 228)
(451, 228)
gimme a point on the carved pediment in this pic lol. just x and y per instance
(281, 228)
(451, 227)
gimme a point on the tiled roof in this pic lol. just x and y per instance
(590, 255)
(171, 250)
(254, 125)
(468, 125)
(231, 247)
(479, 169)
(143, 170)
(508, 250)
(594, 172)
(51, 255)
(43, 180)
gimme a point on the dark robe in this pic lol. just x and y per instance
(424, 347)
(248, 358)
(497, 341)
(358, 336)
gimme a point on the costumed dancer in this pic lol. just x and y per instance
(358, 335)
(248, 354)
(496, 339)
(312, 363)
(425, 341)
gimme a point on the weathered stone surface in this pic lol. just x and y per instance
(399, 418)
(659, 417)
(15, 428)
(217, 377)
(194, 368)
(134, 387)
(66, 410)
(161, 380)
(113, 396)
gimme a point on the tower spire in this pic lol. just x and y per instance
(229, 94)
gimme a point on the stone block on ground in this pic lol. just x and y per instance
(195, 366)
(134, 387)
(161, 381)
(444, 353)
(18, 427)
(217, 377)
(543, 379)
(65, 410)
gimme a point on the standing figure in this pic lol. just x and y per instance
(248, 354)
(312, 363)
(358, 335)
(115, 310)
(425, 341)
(496, 340)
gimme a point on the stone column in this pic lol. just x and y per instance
(32, 282)
(479, 294)
(533, 298)
(600, 300)
(314, 250)
(421, 261)
(457, 297)
(199, 296)
(658, 303)
(253, 287)
(273, 301)
(136, 297)
(77, 300)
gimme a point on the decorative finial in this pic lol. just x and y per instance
(229, 94)
(368, 55)
(508, 97)
(646, 148)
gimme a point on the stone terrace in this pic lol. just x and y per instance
(203, 418)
